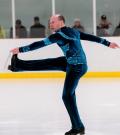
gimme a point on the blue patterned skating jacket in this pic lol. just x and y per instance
(69, 40)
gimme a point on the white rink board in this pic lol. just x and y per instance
(99, 58)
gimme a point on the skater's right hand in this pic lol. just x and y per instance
(15, 51)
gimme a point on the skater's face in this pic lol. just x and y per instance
(55, 23)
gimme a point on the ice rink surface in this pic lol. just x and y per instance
(35, 107)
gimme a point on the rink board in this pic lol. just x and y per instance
(55, 74)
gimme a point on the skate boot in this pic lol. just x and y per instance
(76, 132)
(13, 67)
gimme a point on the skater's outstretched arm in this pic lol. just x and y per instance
(89, 37)
(54, 38)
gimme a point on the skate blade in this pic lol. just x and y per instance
(77, 134)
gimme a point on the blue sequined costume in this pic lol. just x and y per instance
(68, 39)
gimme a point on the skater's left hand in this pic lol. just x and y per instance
(114, 45)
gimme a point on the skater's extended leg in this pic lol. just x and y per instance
(58, 63)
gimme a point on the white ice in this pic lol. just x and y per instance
(35, 107)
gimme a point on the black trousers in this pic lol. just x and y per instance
(73, 75)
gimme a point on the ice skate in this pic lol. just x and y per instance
(76, 132)
(13, 67)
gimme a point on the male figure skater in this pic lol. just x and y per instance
(73, 63)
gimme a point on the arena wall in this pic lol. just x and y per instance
(101, 59)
